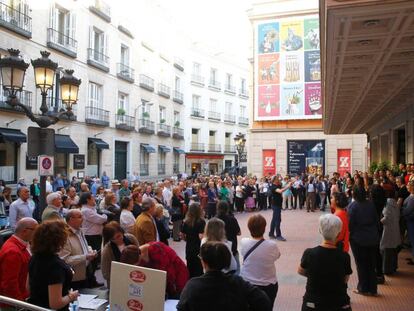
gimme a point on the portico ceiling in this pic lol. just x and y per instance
(367, 57)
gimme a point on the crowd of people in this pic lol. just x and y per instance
(87, 225)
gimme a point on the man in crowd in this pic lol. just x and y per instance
(72, 196)
(124, 192)
(54, 206)
(95, 185)
(145, 227)
(78, 254)
(115, 188)
(22, 207)
(276, 191)
(167, 193)
(14, 260)
(58, 183)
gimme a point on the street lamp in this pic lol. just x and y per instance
(240, 142)
(13, 69)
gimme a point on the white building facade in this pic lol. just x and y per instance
(130, 114)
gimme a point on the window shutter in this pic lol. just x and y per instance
(72, 26)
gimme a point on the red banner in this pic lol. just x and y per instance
(344, 161)
(269, 162)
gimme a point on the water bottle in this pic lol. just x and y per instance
(74, 306)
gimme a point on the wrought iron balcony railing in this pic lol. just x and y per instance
(197, 79)
(213, 115)
(243, 121)
(229, 149)
(146, 82)
(61, 42)
(214, 84)
(96, 116)
(230, 118)
(178, 133)
(164, 130)
(178, 97)
(146, 126)
(98, 59)
(15, 20)
(230, 89)
(198, 113)
(164, 90)
(197, 147)
(125, 72)
(124, 122)
(214, 148)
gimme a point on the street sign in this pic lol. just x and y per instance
(40, 141)
(45, 165)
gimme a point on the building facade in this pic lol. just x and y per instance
(286, 134)
(130, 114)
(216, 111)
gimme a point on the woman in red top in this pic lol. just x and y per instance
(157, 255)
(339, 202)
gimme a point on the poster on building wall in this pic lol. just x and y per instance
(306, 156)
(269, 162)
(344, 161)
(287, 69)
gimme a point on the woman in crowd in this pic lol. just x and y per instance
(223, 191)
(250, 191)
(203, 196)
(327, 270)
(263, 188)
(115, 241)
(217, 291)
(287, 195)
(6, 199)
(212, 200)
(364, 238)
(259, 257)
(137, 199)
(157, 255)
(339, 202)
(49, 182)
(239, 196)
(215, 232)
(49, 276)
(192, 232)
(390, 239)
(162, 228)
(177, 208)
(35, 191)
(408, 213)
(158, 196)
(127, 219)
(111, 207)
(100, 195)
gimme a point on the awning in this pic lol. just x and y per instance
(99, 143)
(148, 148)
(64, 144)
(10, 135)
(178, 150)
(164, 148)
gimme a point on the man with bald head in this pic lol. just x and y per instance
(14, 260)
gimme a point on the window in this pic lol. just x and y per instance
(98, 43)
(229, 107)
(163, 114)
(243, 111)
(243, 86)
(196, 69)
(124, 55)
(95, 95)
(176, 118)
(145, 107)
(213, 75)
(196, 101)
(194, 135)
(62, 23)
(161, 161)
(177, 84)
(144, 162)
(229, 80)
(176, 166)
(8, 162)
(213, 104)
(123, 102)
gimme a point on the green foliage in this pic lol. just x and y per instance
(121, 112)
(145, 114)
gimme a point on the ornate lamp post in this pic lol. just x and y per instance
(240, 142)
(13, 69)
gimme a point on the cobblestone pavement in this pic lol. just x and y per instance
(301, 231)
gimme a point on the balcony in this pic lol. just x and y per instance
(178, 133)
(243, 94)
(176, 168)
(214, 85)
(98, 60)
(24, 96)
(62, 43)
(56, 105)
(101, 9)
(96, 116)
(125, 72)
(164, 130)
(229, 118)
(230, 89)
(146, 82)
(161, 169)
(124, 122)
(197, 80)
(178, 97)
(243, 121)
(143, 169)
(15, 21)
(164, 90)
(229, 149)
(216, 116)
(146, 126)
(214, 148)
(197, 147)
(197, 113)
(179, 63)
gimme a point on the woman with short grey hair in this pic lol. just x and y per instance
(327, 269)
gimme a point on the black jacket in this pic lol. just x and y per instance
(219, 292)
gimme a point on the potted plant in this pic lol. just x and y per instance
(177, 124)
(145, 114)
(162, 121)
(121, 112)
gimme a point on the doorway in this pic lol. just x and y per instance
(400, 154)
(195, 168)
(213, 168)
(121, 155)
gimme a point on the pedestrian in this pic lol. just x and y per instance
(276, 191)
(127, 219)
(177, 212)
(339, 203)
(287, 195)
(53, 211)
(21, 208)
(311, 191)
(212, 200)
(35, 191)
(124, 191)
(105, 180)
(145, 226)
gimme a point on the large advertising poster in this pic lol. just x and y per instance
(269, 162)
(344, 161)
(287, 73)
(306, 156)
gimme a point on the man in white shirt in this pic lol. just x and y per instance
(21, 208)
(167, 193)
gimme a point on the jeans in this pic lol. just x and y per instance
(276, 220)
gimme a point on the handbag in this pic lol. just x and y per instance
(252, 249)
